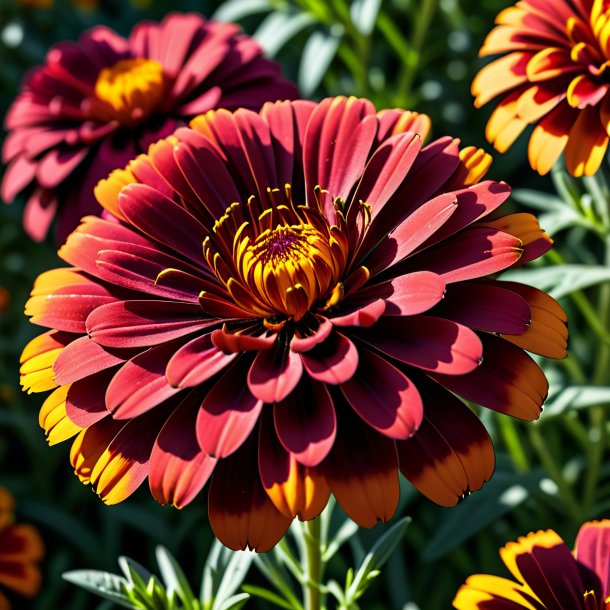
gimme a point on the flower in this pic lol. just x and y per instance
(552, 74)
(548, 574)
(20, 550)
(288, 300)
(95, 104)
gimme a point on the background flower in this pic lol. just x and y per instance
(21, 549)
(343, 293)
(97, 103)
(548, 575)
(554, 69)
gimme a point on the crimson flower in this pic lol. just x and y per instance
(21, 549)
(97, 103)
(289, 301)
(549, 576)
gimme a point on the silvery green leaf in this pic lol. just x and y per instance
(344, 533)
(174, 578)
(278, 28)
(106, 585)
(210, 574)
(364, 15)
(233, 576)
(377, 556)
(318, 53)
(268, 596)
(560, 280)
(235, 602)
(575, 397)
(538, 200)
(233, 10)
(136, 574)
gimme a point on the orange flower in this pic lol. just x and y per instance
(554, 74)
(20, 550)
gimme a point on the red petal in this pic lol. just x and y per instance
(384, 397)
(592, 549)
(334, 361)
(275, 373)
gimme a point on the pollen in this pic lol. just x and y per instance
(132, 89)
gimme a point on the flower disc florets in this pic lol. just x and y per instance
(288, 302)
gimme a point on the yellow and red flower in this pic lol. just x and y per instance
(97, 103)
(553, 73)
(289, 300)
(548, 575)
(21, 549)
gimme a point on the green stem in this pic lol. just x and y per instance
(510, 435)
(313, 565)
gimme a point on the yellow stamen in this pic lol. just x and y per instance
(132, 88)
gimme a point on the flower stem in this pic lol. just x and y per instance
(313, 566)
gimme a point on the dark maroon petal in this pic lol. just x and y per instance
(85, 403)
(592, 549)
(17, 176)
(409, 294)
(306, 423)
(507, 380)
(57, 165)
(485, 307)
(144, 323)
(338, 139)
(228, 412)
(474, 202)
(275, 373)
(83, 358)
(163, 220)
(196, 362)
(384, 397)
(179, 468)
(427, 342)
(333, 361)
(451, 454)
(219, 307)
(140, 384)
(241, 514)
(410, 233)
(364, 316)
(234, 343)
(304, 344)
(364, 482)
(473, 253)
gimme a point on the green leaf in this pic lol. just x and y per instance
(560, 280)
(278, 28)
(269, 596)
(106, 585)
(174, 578)
(136, 574)
(538, 200)
(500, 495)
(233, 575)
(318, 53)
(344, 533)
(235, 602)
(364, 15)
(234, 10)
(377, 556)
(575, 397)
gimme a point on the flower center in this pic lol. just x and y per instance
(279, 262)
(132, 88)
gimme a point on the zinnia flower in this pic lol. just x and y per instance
(289, 299)
(548, 575)
(20, 550)
(97, 103)
(553, 74)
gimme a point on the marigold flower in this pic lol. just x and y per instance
(548, 575)
(97, 103)
(21, 549)
(289, 300)
(552, 74)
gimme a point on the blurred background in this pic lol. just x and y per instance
(414, 54)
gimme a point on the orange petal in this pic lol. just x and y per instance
(413, 121)
(53, 418)
(550, 137)
(481, 591)
(604, 113)
(50, 281)
(241, 514)
(4, 603)
(37, 361)
(474, 163)
(507, 38)
(504, 125)
(20, 547)
(583, 92)
(548, 332)
(7, 507)
(549, 63)
(499, 76)
(107, 190)
(587, 144)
